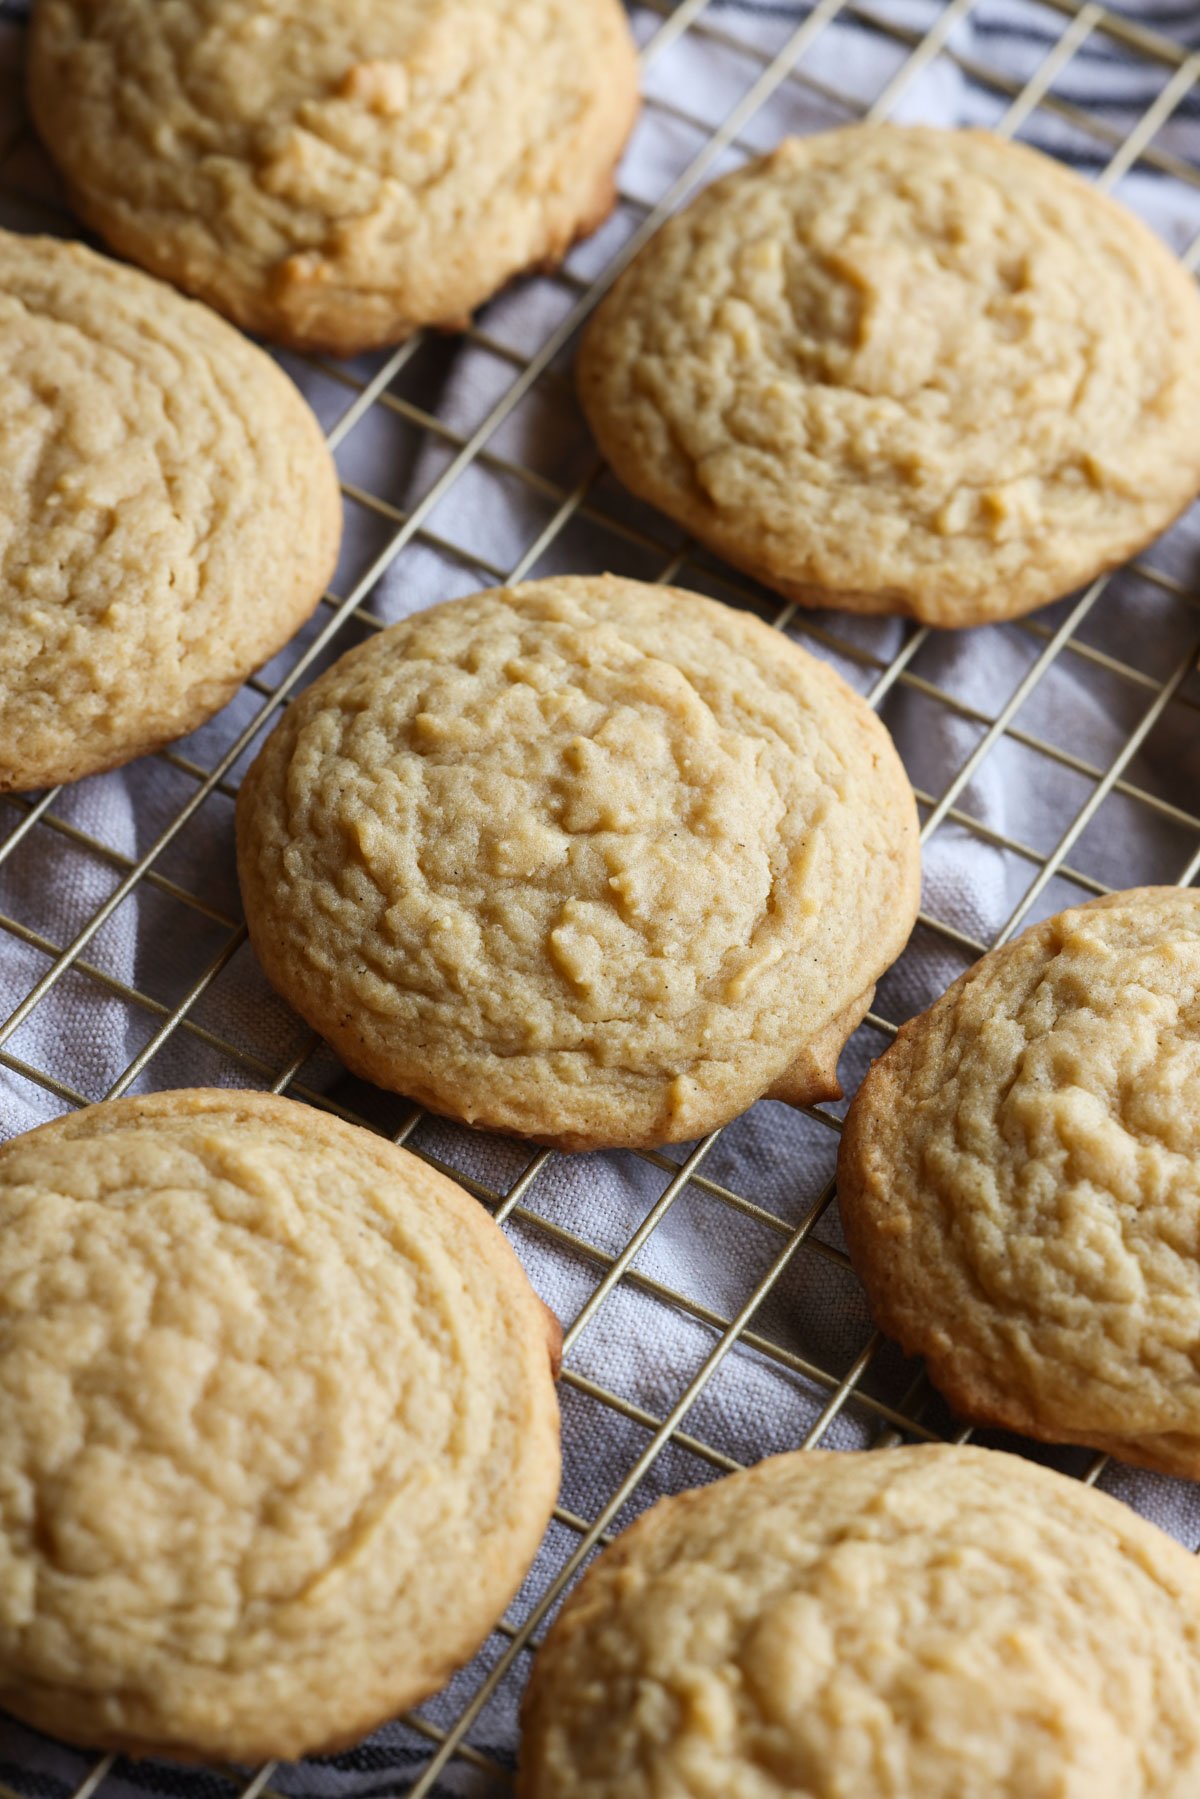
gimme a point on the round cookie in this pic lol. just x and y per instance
(585, 860)
(169, 513)
(878, 369)
(336, 173)
(1019, 1182)
(930, 1623)
(278, 1432)
(907, 1623)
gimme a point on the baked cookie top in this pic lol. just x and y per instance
(169, 513)
(591, 861)
(278, 1433)
(1020, 1182)
(897, 369)
(931, 1623)
(335, 173)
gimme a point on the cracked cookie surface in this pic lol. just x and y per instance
(336, 173)
(169, 513)
(914, 1623)
(1019, 1182)
(903, 370)
(586, 860)
(278, 1432)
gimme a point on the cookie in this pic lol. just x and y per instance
(169, 513)
(336, 173)
(903, 370)
(278, 1432)
(584, 860)
(932, 1623)
(1020, 1182)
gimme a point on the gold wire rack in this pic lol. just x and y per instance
(838, 1385)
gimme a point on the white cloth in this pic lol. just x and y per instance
(639, 1346)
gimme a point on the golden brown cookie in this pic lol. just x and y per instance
(586, 860)
(169, 513)
(278, 1432)
(932, 1623)
(1020, 1182)
(903, 370)
(336, 173)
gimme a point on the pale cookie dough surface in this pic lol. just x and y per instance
(586, 860)
(1020, 1182)
(278, 1432)
(169, 514)
(903, 370)
(932, 1623)
(336, 173)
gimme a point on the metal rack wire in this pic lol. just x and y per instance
(841, 1385)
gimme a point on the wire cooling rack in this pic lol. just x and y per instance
(1143, 686)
